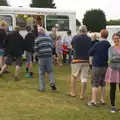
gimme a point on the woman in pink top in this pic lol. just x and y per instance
(113, 72)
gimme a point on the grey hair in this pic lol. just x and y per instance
(83, 29)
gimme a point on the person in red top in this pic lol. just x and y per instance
(65, 51)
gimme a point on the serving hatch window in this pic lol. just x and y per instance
(29, 20)
(8, 19)
(59, 21)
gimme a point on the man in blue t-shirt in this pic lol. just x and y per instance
(81, 45)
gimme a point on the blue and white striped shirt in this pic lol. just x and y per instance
(43, 46)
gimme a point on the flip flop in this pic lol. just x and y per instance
(82, 98)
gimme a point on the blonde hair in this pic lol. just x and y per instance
(94, 36)
(3, 24)
(17, 29)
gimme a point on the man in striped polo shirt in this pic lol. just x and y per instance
(43, 49)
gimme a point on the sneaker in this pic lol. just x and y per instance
(91, 104)
(28, 76)
(42, 90)
(27, 70)
(113, 110)
(16, 78)
(53, 86)
(6, 72)
(102, 103)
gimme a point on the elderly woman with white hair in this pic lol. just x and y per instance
(94, 39)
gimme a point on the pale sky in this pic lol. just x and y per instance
(110, 7)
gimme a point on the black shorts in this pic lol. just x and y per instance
(54, 52)
(10, 58)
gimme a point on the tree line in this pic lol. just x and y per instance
(94, 19)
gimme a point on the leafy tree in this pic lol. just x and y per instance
(43, 4)
(78, 22)
(113, 22)
(4, 3)
(95, 20)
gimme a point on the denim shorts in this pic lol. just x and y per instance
(2, 52)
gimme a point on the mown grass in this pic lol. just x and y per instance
(22, 101)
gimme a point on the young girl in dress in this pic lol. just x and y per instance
(113, 72)
(59, 47)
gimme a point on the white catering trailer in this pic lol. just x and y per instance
(48, 18)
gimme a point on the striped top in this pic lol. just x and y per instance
(43, 46)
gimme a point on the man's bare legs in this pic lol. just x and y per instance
(103, 94)
(94, 94)
(1, 61)
(4, 68)
(83, 90)
(17, 71)
(73, 85)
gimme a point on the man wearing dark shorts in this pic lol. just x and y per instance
(29, 48)
(99, 52)
(14, 49)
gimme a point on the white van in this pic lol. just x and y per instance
(48, 18)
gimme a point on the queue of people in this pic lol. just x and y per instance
(84, 53)
(105, 65)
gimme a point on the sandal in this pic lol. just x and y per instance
(68, 94)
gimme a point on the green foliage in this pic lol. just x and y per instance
(113, 22)
(95, 20)
(43, 4)
(78, 22)
(4, 3)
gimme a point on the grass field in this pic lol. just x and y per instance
(21, 100)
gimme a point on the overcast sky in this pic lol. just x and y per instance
(111, 7)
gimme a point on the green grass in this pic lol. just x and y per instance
(21, 100)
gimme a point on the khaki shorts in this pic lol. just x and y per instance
(80, 70)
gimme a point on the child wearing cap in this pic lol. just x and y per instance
(29, 49)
